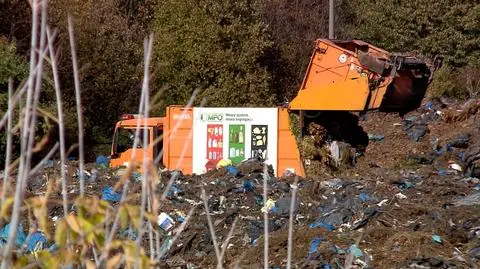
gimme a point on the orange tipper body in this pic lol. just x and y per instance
(171, 141)
(357, 76)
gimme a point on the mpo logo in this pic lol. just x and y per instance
(212, 117)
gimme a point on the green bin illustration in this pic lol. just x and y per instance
(236, 145)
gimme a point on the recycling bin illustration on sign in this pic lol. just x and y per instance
(236, 143)
(234, 134)
(214, 145)
(259, 141)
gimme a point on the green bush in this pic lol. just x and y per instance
(460, 83)
(443, 84)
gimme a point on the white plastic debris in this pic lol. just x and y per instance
(165, 221)
(382, 202)
(268, 206)
(400, 196)
(455, 166)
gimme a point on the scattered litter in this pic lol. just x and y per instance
(322, 224)
(180, 216)
(248, 185)
(136, 176)
(335, 183)
(36, 241)
(437, 239)
(108, 194)
(342, 153)
(382, 202)
(461, 141)
(442, 172)
(455, 166)
(269, 205)
(366, 198)
(375, 137)
(94, 175)
(166, 244)
(357, 253)
(282, 207)
(474, 253)
(232, 170)
(102, 161)
(415, 131)
(19, 240)
(165, 221)
(174, 191)
(86, 174)
(403, 184)
(314, 245)
(473, 199)
(224, 163)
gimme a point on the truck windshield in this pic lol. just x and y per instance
(125, 138)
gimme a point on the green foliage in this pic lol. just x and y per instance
(80, 232)
(14, 67)
(443, 84)
(294, 27)
(429, 27)
(11, 65)
(459, 83)
(294, 124)
(109, 52)
(217, 47)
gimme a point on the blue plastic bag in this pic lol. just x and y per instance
(248, 185)
(232, 170)
(36, 241)
(175, 190)
(19, 240)
(108, 194)
(102, 160)
(355, 251)
(314, 245)
(322, 224)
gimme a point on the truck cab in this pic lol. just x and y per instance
(122, 152)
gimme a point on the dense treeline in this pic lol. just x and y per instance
(233, 53)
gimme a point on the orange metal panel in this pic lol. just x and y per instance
(288, 155)
(351, 95)
(377, 95)
(336, 80)
(177, 140)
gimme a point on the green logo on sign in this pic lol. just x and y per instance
(211, 117)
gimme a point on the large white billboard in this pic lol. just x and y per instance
(233, 133)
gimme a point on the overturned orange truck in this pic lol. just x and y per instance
(342, 76)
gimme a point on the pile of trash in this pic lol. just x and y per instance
(411, 201)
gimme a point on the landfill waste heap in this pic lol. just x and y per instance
(412, 201)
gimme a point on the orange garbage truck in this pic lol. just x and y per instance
(194, 140)
(342, 76)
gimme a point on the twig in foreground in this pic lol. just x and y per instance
(210, 226)
(290, 223)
